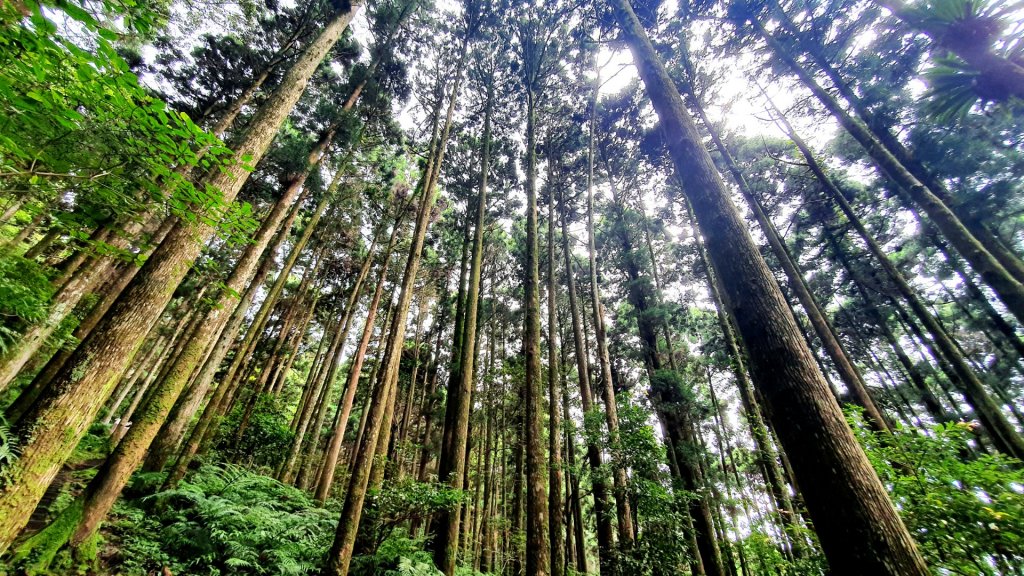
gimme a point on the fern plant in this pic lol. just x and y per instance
(8, 450)
(225, 519)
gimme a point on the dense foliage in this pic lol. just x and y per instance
(418, 288)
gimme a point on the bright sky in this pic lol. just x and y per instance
(739, 105)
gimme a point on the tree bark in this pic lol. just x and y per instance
(50, 430)
(557, 522)
(326, 479)
(602, 507)
(340, 555)
(1013, 264)
(1004, 435)
(452, 464)
(1009, 289)
(859, 528)
(624, 515)
(847, 370)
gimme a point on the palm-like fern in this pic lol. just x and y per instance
(225, 519)
(952, 90)
(8, 449)
(959, 28)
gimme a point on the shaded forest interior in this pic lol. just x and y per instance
(516, 287)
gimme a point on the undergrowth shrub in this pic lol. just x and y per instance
(267, 436)
(966, 511)
(398, 555)
(224, 519)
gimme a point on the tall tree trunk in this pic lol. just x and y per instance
(602, 506)
(50, 431)
(215, 406)
(486, 515)
(106, 486)
(125, 273)
(859, 528)
(340, 555)
(557, 522)
(847, 370)
(1014, 265)
(142, 369)
(1004, 435)
(669, 401)
(1009, 289)
(247, 347)
(334, 361)
(538, 558)
(625, 517)
(204, 346)
(452, 463)
(63, 303)
(326, 478)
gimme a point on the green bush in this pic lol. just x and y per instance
(398, 555)
(224, 520)
(25, 292)
(267, 438)
(966, 511)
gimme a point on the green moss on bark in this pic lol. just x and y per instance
(46, 551)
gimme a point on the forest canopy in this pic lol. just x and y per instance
(517, 287)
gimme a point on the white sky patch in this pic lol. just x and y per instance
(739, 104)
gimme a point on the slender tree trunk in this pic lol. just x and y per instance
(485, 551)
(859, 528)
(11, 209)
(50, 430)
(326, 479)
(110, 480)
(110, 294)
(44, 243)
(452, 464)
(917, 379)
(1009, 289)
(602, 507)
(185, 328)
(345, 405)
(131, 378)
(538, 558)
(288, 317)
(557, 536)
(883, 134)
(215, 406)
(201, 348)
(340, 555)
(63, 303)
(670, 401)
(26, 231)
(625, 522)
(1004, 435)
(319, 394)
